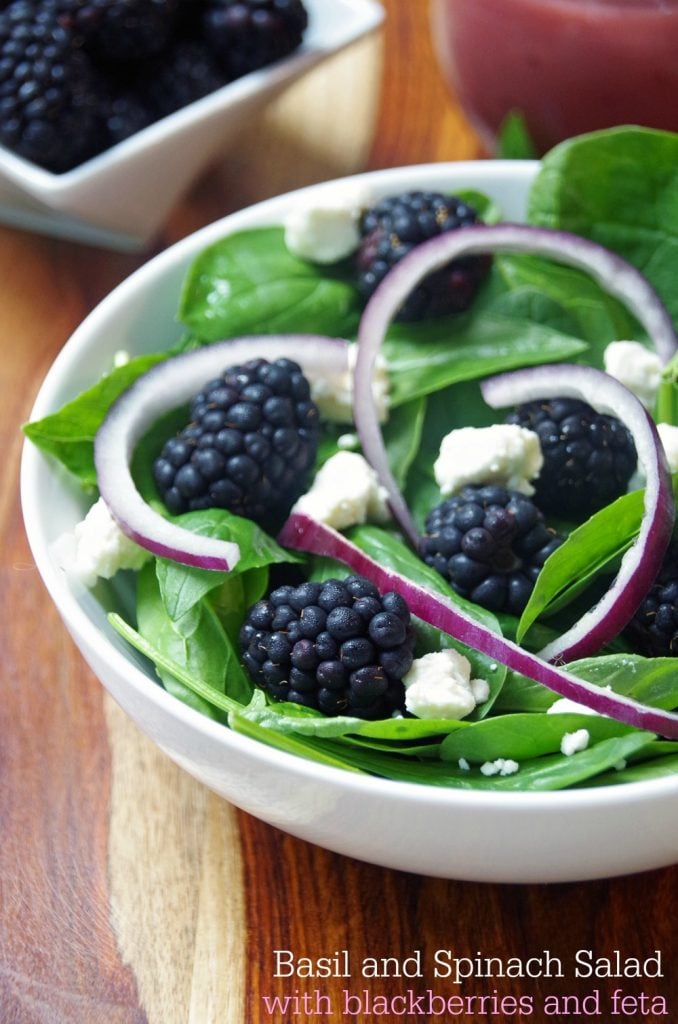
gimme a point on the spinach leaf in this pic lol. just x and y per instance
(523, 736)
(183, 586)
(197, 642)
(69, 433)
(402, 437)
(249, 283)
(618, 187)
(429, 356)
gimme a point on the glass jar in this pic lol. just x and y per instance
(568, 66)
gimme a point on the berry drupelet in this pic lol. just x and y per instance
(654, 627)
(490, 543)
(589, 457)
(338, 647)
(120, 30)
(393, 227)
(249, 447)
(48, 105)
(249, 34)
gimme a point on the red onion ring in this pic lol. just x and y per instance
(613, 273)
(305, 534)
(167, 386)
(641, 563)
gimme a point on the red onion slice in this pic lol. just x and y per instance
(305, 534)
(613, 273)
(641, 563)
(167, 386)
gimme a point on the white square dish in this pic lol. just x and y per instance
(121, 197)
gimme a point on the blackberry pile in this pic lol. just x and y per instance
(394, 227)
(338, 647)
(77, 76)
(589, 458)
(490, 543)
(249, 447)
(654, 627)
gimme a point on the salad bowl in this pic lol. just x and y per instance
(493, 836)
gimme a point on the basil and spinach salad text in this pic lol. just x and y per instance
(618, 188)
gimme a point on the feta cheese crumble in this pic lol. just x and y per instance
(439, 685)
(329, 230)
(97, 548)
(345, 492)
(334, 397)
(501, 454)
(573, 742)
(635, 367)
(668, 435)
(501, 766)
(565, 706)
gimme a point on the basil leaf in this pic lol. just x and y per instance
(402, 437)
(69, 433)
(588, 550)
(514, 141)
(249, 283)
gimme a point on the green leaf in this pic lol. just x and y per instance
(618, 187)
(184, 586)
(197, 641)
(69, 433)
(588, 550)
(514, 141)
(429, 356)
(524, 736)
(402, 437)
(249, 283)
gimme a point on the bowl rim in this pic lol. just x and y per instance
(365, 17)
(34, 464)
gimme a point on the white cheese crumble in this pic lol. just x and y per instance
(635, 367)
(121, 358)
(565, 706)
(348, 442)
(97, 548)
(439, 685)
(501, 454)
(668, 435)
(463, 764)
(345, 492)
(334, 396)
(329, 230)
(573, 742)
(501, 766)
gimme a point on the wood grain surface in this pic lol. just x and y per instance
(128, 892)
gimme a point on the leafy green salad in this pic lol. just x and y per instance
(618, 188)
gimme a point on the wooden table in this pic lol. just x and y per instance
(128, 892)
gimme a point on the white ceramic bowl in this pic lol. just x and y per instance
(501, 837)
(121, 198)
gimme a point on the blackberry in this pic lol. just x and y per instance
(654, 627)
(120, 30)
(184, 73)
(589, 458)
(249, 446)
(394, 227)
(490, 543)
(124, 110)
(337, 646)
(48, 105)
(250, 34)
